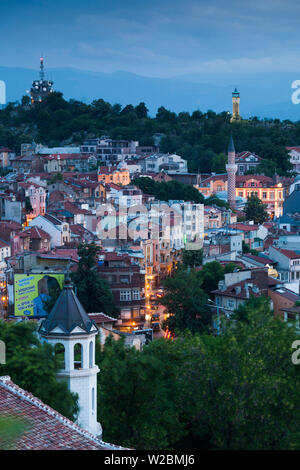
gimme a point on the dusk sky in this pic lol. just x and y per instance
(159, 38)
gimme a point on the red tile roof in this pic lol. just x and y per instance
(101, 318)
(35, 233)
(238, 290)
(260, 259)
(288, 253)
(244, 227)
(3, 244)
(48, 429)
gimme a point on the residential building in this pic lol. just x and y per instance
(246, 161)
(282, 299)
(269, 192)
(294, 153)
(253, 235)
(237, 287)
(212, 217)
(32, 239)
(37, 196)
(170, 163)
(59, 231)
(126, 281)
(6, 155)
(114, 174)
(108, 150)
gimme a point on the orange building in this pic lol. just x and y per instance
(269, 192)
(114, 174)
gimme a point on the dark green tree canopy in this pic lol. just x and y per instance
(239, 390)
(33, 366)
(93, 292)
(199, 137)
(255, 210)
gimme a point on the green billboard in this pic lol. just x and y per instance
(31, 290)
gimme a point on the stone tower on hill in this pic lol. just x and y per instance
(235, 106)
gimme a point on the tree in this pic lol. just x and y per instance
(141, 111)
(255, 210)
(239, 390)
(186, 301)
(192, 258)
(260, 305)
(93, 292)
(210, 275)
(136, 396)
(256, 405)
(33, 366)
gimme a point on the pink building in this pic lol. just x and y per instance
(37, 197)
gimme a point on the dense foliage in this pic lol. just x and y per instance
(233, 391)
(171, 190)
(92, 291)
(192, 258)
(255, 210)
(187, 293)
(201, 138)
(33, 366)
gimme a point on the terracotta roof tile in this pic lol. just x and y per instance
(48, 429)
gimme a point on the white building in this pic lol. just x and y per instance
(294, 153)
(178, 222)
(288, 264)
(170, 163)
(58, 230)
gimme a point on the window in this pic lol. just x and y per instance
(91, 354)
(78, 356)
(125, 295)
(59, 351)
(135, 294)
(264, 195)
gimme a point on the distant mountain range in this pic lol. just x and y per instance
(264, 95)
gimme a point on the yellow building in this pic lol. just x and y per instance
(270, 193)
(114, 174)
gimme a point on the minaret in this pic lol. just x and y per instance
(69, 329)
(231, 169)
(235, 106)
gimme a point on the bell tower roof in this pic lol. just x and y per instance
(68, 316)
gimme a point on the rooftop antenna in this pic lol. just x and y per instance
(42, 71)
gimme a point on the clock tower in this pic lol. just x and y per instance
(235, 106)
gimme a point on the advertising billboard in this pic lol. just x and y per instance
(30, 291)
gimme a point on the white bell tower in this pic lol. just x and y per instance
(73, 334)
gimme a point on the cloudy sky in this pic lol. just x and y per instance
(158, 38)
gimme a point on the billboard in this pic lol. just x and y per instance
(31, 290)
